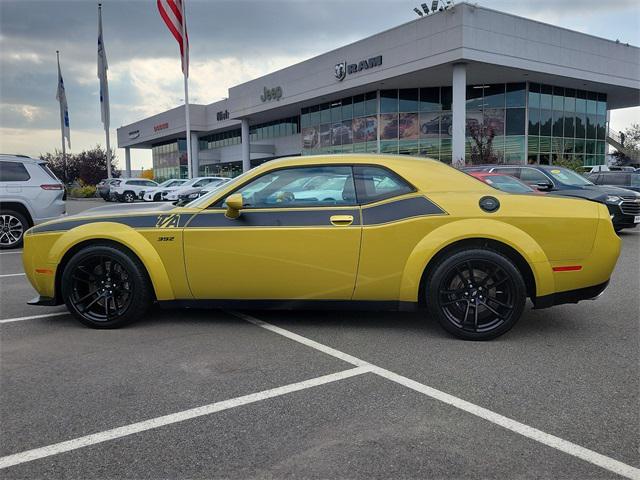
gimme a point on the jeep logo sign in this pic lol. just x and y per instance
(343, 69)
(269, 94)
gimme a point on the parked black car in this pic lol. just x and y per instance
(623, 204)
(628, 180)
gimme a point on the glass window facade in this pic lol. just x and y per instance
(346, 125)
(565, 123)
(513, 123)
(169, 160)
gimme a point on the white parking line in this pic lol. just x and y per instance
(12, 275)
(33, 317)
(36, 453)
(11, 253)
(552, 441)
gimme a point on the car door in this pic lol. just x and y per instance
(395, 217)
(284, 245)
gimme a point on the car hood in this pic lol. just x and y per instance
(595, 192)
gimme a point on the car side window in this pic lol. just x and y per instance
(301, 187)
(13, 172)
(376, 183)
(513, 171)
(531, 176)
(616, 179)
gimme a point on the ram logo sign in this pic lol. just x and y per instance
(343, 69)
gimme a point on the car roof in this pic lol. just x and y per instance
(19, 158)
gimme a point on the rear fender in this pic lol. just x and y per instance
(124, 235)
(483, 228)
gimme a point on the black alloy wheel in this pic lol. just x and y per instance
(157, 197)
(105, 287)
(12, 228)
(476, 294)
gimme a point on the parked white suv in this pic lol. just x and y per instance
(128, 189)
(29, 194)
(197, 182)
(158, 194)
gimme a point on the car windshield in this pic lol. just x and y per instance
(507, 183)
(170, 183)
(568, 177)
(635, 180)
(204, 200)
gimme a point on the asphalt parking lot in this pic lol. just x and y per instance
(216, 394)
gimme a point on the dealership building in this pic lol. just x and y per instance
(462, 85)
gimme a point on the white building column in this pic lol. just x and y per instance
(459, 113)
(127, 162)
(246, 147)
(195, 155)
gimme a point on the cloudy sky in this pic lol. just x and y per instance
(231, 42)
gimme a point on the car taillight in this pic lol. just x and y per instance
(51, 186)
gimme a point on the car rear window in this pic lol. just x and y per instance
(13, 172)
(48, 171)
(376, 183)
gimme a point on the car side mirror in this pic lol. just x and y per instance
(234, 205)
(544, 186)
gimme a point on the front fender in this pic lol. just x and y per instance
(125, 236)
(483, 228)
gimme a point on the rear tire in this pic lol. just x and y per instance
(105, 286)
(12, 227)
(476, 294)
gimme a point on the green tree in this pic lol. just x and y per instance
(87, 167)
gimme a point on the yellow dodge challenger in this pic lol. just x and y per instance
(388, 232)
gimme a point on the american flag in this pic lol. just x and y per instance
(172, 12)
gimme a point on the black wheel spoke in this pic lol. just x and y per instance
(498, 314)
(502, 304)
(475, 319)
(92, 302)
(87, 296)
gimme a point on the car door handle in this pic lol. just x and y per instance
(341, 220)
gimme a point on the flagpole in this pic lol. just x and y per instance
(106, 123)
(64, 150)
(185, 67)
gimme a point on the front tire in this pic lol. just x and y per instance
(476, 294)
(106, 287)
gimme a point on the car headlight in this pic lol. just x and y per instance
(613, 199)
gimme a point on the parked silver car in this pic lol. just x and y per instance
(29, 194)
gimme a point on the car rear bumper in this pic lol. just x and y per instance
(571, 296)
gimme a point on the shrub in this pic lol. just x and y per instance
(83, 192)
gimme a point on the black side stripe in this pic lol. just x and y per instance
(137, 221)
(280, 218)
(400, 210)
(375, 215)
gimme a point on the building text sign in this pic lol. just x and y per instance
(269, 94)
(343, 69)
